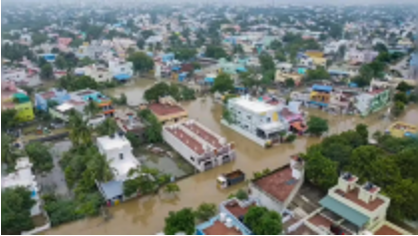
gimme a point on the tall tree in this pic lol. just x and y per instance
(317, 126)
(261, 221)
(108, 127)
(8, 119)
(40, 157)
(16, 204)
(141, 62)
(223, 83)
(320, 170)
(92, 108)
(180, 222)
(80, 133)
(47, 72)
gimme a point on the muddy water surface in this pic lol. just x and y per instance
(146, 215)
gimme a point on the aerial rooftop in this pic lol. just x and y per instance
(353, 196)
(253, 105)
(278, 184)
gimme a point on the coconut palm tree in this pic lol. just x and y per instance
(91, 109)
(7, 154)
(108, 127)
(99, 166)
(80, 131)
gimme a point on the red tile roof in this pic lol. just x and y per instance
(218, 228)
(319, 220)
(236, 209)
(353, 196)
(279, 184)
(48, 95)
(187, 139)
(164, 110)
(376, 91)
(387, 230)
(208, 137)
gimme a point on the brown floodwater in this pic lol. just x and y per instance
(146, 215)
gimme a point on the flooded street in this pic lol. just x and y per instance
(146, 215)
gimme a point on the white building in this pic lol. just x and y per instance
(23, 177)
(98, 73)
(120, 69)
(118, 152)
(198, 145)
(17, 76)
(257, 120)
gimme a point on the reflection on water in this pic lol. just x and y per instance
(134, 90)
(146, 215)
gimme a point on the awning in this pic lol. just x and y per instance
(355, 217)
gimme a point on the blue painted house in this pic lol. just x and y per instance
(228, 222)
(168, 57)
(49, 57)
(57, 95)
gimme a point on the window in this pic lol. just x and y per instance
(192, 159)
(121, 156)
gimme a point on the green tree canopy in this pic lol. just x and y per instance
(47, 72)
(141, 61)
(180, 222)
(8, 119)
(317, 126)
(223, 83)
(263, 222)
(205, 211)
(38, 38)
(108, 127)
(16, 204)
(321, 171)
(318, 74)
(40, 157)
(216, 52)
(266, 62)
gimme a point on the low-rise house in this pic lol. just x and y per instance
(320, 96)
(256, 120)
(229, 220)
(17, 99)
(355, 56)
(118, 152)
(277, 189)
(121, 70)
(405, 43)
(168, 111)
(401, 129)
(198, 145)
(281, 77)
(372, 101)
(23, 177)
(98, 73)
(87, 95)
(349, 209)
(16, 75)
(128, 122)
(58, 96)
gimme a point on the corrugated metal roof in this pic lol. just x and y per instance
(344, 211)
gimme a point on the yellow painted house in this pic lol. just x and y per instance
(22, 104)
(402, 129)
(318, 58)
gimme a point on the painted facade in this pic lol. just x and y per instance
(57, 95)
(372, 101)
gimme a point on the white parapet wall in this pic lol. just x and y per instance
(245, 133)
